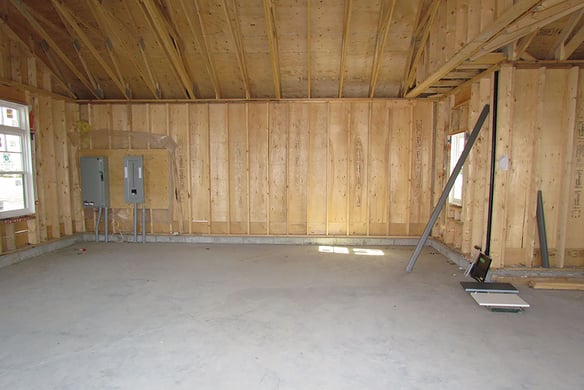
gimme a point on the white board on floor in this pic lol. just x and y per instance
(499, 300)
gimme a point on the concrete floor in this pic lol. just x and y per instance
(190, 316)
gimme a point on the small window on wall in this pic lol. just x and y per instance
(456, 147)
(16, 178)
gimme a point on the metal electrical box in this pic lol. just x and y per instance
(94, 182)
(134, 179)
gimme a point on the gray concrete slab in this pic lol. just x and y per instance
(209, 316)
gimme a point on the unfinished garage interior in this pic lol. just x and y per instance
(292, 153)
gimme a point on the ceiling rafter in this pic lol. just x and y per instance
(198, 32)
(169, 43)
(573, 44)
(270, 17)
(25, 12)
(235, 30)
(157, 91)
(467, 51)
(106, 22)
(558, 46)
(421, 38)
(90, 76)
(529, 23)
(385, 20)
(51, 66)
(308, 48)
(113, 58)
(71, 21)
(522, 45)
(345, 43)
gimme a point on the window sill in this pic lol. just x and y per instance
(9, 220)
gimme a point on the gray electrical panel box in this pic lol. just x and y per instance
(94, 182)
(134, 179)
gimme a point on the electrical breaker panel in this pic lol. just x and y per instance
(134, 179)
(94, 182)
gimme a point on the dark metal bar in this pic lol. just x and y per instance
(493, 162)
(457, 168)
(545, 255)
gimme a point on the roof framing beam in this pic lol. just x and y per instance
(308, 48)
(106, 22)
(573, 44)
(421, 37)
(558, 47)
(531, 22)
(170, 44)
(514, 13)
(198, 31)
(231, 14)
(70, 20)
(270, 16)
(345, 43)
(386, 16)
(25, 12)
(51, 66)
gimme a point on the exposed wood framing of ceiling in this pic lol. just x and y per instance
(24, 11)
(170, 42)
(273, 40)
(278, 49)
(345, 42)
(386, 16)
(232, 22)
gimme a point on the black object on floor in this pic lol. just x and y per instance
(489, 287)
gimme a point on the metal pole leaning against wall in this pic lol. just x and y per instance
(457, 168)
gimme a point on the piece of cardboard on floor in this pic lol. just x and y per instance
(499, 300)
(507, 288)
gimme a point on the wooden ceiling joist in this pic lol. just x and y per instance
(422, 35)
(108, 24)
(345, 43)
(270, 17)
(531, 22)
(51, 66)
(231, 15)
(309, 48)
(557, 49)
(96, 86)
(522, 45)
(157, 91)
(198, 31)
(69, 20)
(518, 10)
(380, 40)
(573, 44)
(169, 42)
(25, 12)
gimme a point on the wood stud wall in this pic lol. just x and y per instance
(58, 205)
(357, 168)
(540, 132)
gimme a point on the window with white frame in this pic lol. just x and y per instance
(16, 175)
(456, 147)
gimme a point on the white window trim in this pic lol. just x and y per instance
(452, 199)
(28, 171)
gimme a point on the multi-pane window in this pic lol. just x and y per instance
(16, 178)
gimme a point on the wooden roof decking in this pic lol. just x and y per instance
(281, 49)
